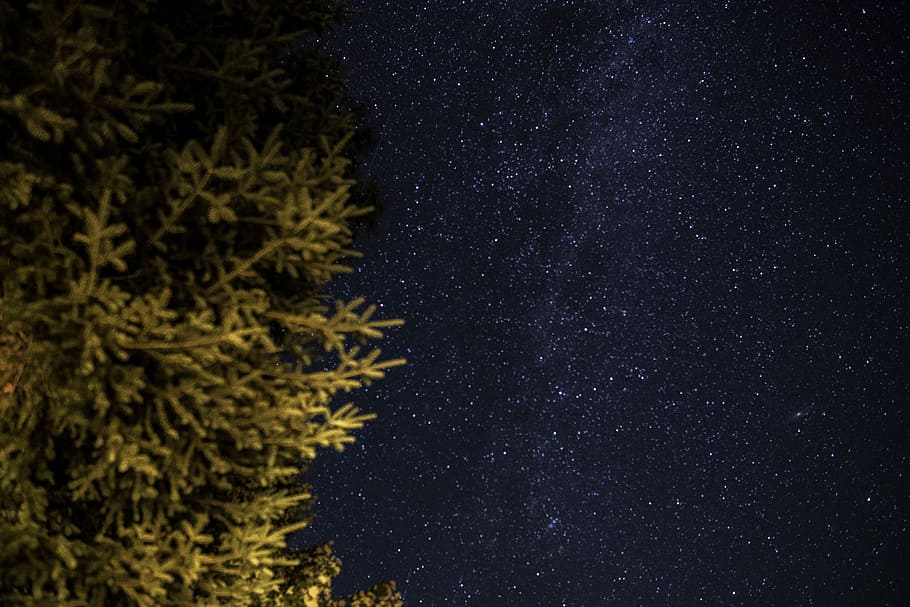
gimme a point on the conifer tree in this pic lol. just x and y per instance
(175, 192)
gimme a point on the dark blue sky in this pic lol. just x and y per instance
(651, 261)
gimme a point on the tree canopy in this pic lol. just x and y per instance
(175, 191)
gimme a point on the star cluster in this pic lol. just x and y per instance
(650, 260)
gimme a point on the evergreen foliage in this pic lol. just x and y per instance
(174, 194)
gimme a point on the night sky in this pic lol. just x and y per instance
(652, 261)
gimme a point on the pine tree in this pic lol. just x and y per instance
(175, 192)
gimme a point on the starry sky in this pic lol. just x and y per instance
(651, 257)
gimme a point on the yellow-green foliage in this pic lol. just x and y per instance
(170, 200)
